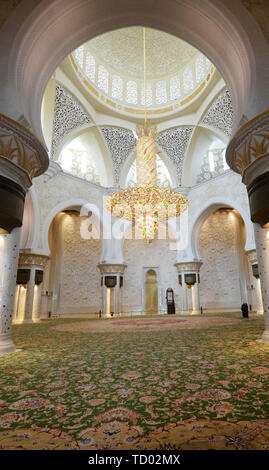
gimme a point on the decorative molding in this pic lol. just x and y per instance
(121, 143)
(22, 149)
(174, 142)
(189, 266)
(249, 144)
(220, 113)
(111, 268)
(68, 115)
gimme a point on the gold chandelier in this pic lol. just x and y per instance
(146, 205)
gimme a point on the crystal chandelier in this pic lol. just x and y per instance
(146, 205)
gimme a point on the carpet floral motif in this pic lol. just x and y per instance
(204, 387)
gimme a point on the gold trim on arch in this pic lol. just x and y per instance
(249, 122)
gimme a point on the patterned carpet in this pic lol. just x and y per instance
(198, 387)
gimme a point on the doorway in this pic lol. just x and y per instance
(151, 291)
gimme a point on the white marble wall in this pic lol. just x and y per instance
(75, 279)
(223, 283)
(137, 256)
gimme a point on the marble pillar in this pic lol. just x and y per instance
(262, 248)
(192, 268)
(29, 302)
(254, 281)
(116, 271)
(185, 309)
(22, 158)
(10, 244)
(248, 155)
(117, 297)
(34, 264)
(196, 306)
(37, 303)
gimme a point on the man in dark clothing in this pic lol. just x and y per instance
(244, 308)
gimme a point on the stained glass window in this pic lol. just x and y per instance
(103, 78)
(117, 87)
(90, 67)
(131, 92)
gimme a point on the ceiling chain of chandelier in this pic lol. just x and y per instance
(146, 205)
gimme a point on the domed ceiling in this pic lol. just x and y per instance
(111, 66)
(122, 50)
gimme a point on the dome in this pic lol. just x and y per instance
(111, 66)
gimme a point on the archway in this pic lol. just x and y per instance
(71, 278)
(151, 292)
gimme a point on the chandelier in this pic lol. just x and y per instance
(146, 205)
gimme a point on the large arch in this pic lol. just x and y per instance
(41, 36)
(70, 204)
(211, 206)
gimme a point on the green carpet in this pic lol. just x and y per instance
(164, 389)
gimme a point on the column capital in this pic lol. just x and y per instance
(188, 266)
(22, 157)
(252, 256)
(248, 154)
(22, 151)
(111, 268)
(248, 150)
(29, 260)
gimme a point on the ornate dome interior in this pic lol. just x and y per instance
(112, 65)
(96, 97)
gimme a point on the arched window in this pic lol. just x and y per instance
(207, 63)
(148, 97)
(103, 78)
(131, 92)
(175, 92)
(187, 80)
(79, 53)
(117, 88)
(161, 95)
(199, 68)
(77, 160)
(90, 67)
(66, 160)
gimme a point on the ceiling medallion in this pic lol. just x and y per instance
(146, 205)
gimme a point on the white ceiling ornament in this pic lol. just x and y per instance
(120, 143)
(175, 142)
(68, 115)
(220, 114)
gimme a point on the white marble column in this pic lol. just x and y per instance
(29, 303)
(260, 310)
(185, 310)
(262, 248)
(10, 244)
(117, 297)
(197, 306)
(37, 303)
(117, 270)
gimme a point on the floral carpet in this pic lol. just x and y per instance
(204, 387)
